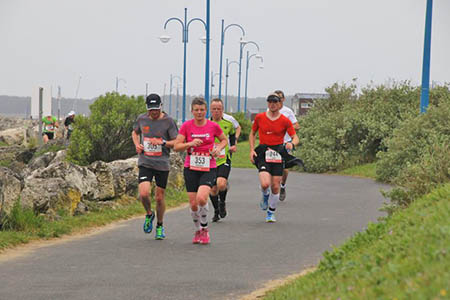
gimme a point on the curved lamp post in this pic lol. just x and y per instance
(222, 43)
(243, 43)
(185, 38)
(258, 56)
(172, 77)
(226, 81)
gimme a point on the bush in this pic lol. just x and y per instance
(106, 134)
(246, 125)
(418, 156)
(347, 129)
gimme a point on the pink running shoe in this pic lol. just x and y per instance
(197, 237)
(204, 236)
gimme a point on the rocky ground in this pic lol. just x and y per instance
(51, 185)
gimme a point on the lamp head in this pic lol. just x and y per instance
(164, 39)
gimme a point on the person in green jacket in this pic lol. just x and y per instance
(50, 124)
(219, 191)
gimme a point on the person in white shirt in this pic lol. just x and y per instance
(287, 112)
(236, 125)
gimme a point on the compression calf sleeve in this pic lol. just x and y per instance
(223, 195)
(273, 201)
(215, 201)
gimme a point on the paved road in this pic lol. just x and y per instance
(245, 253)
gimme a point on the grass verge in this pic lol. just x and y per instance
(366, 170)
(405, 256)
(24, 226)
(241, 158)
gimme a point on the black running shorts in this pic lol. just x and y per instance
(50, 135)
(147, 174)
(194, 179)
(275, 169)
(224, 169)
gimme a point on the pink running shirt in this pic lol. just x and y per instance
(206, 133)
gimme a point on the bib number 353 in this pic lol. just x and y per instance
(200, 162)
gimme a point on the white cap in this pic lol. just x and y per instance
(71, 113)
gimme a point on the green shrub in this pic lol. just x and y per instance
(413, 139)
(246, 125)
(349, 129)
(106, 134)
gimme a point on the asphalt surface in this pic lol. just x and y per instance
(244, 254)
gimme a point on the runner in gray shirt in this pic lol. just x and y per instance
(153, 134)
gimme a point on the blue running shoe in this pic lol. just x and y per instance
(148, 223)
(264, 204)
(270, 218)
(159, 234)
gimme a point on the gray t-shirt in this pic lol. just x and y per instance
(155, 157)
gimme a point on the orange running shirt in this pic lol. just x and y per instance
(272, 132)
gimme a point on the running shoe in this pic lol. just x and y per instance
(159, 234)
(216, 216)
(148, 223)
(264, 204)
(197, 237)
(282, 193)
(270, 218)
(204, 236)
(222, 209)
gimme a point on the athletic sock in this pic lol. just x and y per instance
(273, 201)
(159, 224)
(223, 195)
(215, 201)
(283, 185)
(195, 218)
(266, 191)
(203, 212)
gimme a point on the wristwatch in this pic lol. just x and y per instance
(164, 142)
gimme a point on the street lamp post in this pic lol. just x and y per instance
(172, 77)
(226, 81)
(222, 43)
(242, 46)
(425, 93)
(117, 83)
(185, 38)
(213, 76)
(246, 75)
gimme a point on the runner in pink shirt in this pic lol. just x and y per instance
(197, 136)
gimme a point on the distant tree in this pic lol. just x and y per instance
(106, 134)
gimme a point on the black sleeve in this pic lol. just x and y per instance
(232, 139)
(66, 123)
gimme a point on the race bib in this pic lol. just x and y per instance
(151, 150)
(49, 127)
(273, 156)
(200, 162)
(222, 153)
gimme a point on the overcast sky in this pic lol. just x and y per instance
(306, 45)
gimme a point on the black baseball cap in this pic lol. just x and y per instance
(153, 101)
(273, 98)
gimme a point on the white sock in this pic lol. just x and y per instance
(283, 185)
(195, 217)
(273, 201)
(265, 191)
(203, 212)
